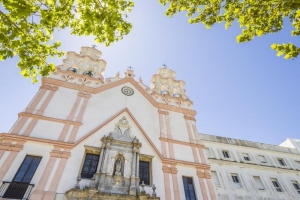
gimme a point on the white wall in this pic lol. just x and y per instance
(247, 169)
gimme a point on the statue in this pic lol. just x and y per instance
(118, 167)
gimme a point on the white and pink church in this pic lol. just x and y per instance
(84, 136)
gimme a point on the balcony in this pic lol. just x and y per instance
(15, 190)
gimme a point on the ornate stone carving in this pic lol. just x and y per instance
(85, 69)
(166, 89)
(118, 166)
(87, 61)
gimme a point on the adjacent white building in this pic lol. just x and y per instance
(251, 170)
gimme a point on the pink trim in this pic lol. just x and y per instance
(115, 84)
(51, 119)
(7, 163)
(195, 154)
(171, 150)
(38, 193)
(164, 149)
(30, 127)
(162, 134)
(195, 130)
(162, 127)
(74, 108)
(46, 174)
(71, 115)
(58, 174)
(202, 157)
(189, 131)
(19, 125)
(32, 106)
(73, 134)
(167, 186)
(211, 189)
(203, 189)
(1, 153)
(175, 187)
(82, 110)
(46, 102)
(169, 134)
(64, 132)
(49, 195)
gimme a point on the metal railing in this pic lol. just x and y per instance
(15, 190)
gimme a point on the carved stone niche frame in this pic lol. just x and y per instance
(148, 158)
(119, 144)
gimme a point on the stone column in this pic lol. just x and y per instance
(132, 179)
(137, 164)
(100, 158)
(97, 175)
(103, 167)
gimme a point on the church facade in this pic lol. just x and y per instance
(84, 136)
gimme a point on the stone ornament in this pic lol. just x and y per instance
(143, 188)
(87, 62)
(118, 164)
(128, 91)
(118, 167)
(154, 193)
(166, 89)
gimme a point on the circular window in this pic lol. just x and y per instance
(127, 91)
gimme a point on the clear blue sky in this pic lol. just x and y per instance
(239, 90)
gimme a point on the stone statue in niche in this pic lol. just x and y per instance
(118, 167)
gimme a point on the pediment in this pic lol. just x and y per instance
(121, 129)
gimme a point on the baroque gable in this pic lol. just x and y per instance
(85, 72)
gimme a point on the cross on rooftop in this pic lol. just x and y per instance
(94, 46)
(164, 65)
(130, 67)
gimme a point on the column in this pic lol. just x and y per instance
(70, 117)
(210, 185)
(102, 169)
(38, 193)
(101, 156)
(133, 163)
(162, 134)
(14, 149)
(201, 176)
(167, 171)
(79, 117)
(137, 165)
(40, 111)
(55, 154)
(32, 106)
(51, 193)
(132, 179)
(175, 182)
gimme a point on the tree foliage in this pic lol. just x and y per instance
(27, 27)
(255, 17)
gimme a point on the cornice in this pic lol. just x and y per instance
(181, 142)
(251, 165)
(105, 87)
(25, 114)
(241, 146)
